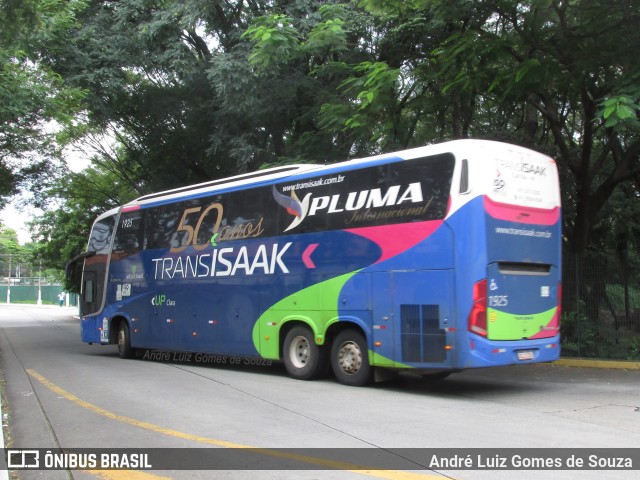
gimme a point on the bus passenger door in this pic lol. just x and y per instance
(88, 303)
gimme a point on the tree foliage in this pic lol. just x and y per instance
(563, 65)
(32, 96)
(193, 90)
(15, 259)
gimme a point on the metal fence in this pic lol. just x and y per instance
(601, 308)
(33, 290)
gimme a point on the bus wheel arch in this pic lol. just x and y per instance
(303, 358)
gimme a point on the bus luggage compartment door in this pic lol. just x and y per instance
(522, 300)
(418, 307)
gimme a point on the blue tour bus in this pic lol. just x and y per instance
(433, 260)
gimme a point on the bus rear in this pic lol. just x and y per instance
(508, 227)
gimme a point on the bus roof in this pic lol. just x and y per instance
(251, 178)
(261, 177)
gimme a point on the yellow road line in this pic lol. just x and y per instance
(125, 475)
(329, 464)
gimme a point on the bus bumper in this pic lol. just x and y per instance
(488, 353)
(94, 330)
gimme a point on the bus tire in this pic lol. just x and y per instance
(302, 357)
(350, 359)
(124, 341)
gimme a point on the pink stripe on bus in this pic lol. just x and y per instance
(521, 214)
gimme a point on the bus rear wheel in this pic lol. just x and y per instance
(124, 341)
(350, 359)
(303, 358)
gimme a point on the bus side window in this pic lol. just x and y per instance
(161, 225)
(464, 177)
(88, 291)
(128, 239)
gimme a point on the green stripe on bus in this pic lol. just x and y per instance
(508, 326)
(317, 306)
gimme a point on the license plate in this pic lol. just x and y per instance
(525, 355)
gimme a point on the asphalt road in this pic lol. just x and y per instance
(59, 392)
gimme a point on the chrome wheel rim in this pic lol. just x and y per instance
(349, 358)
(299, 352)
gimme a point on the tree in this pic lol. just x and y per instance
(562, 65)
(311, 58)
(143, 65)
(31, 95)
(196, 90)
(15, 260)
(9, 241)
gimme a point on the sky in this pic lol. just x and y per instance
(16, 220)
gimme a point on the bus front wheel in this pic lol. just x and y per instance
(303, 358)
(124, 341)
(350, 359)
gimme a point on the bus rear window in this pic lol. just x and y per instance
(519, 268)
(524, 179)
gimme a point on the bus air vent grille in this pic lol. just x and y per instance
(423, 340)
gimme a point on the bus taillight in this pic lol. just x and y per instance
(559, 314)
(478, 315)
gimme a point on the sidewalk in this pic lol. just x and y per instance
(29, 310)
(44, 305)
(596, 363)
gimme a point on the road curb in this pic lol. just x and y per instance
(4, 473)
(586, 363)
